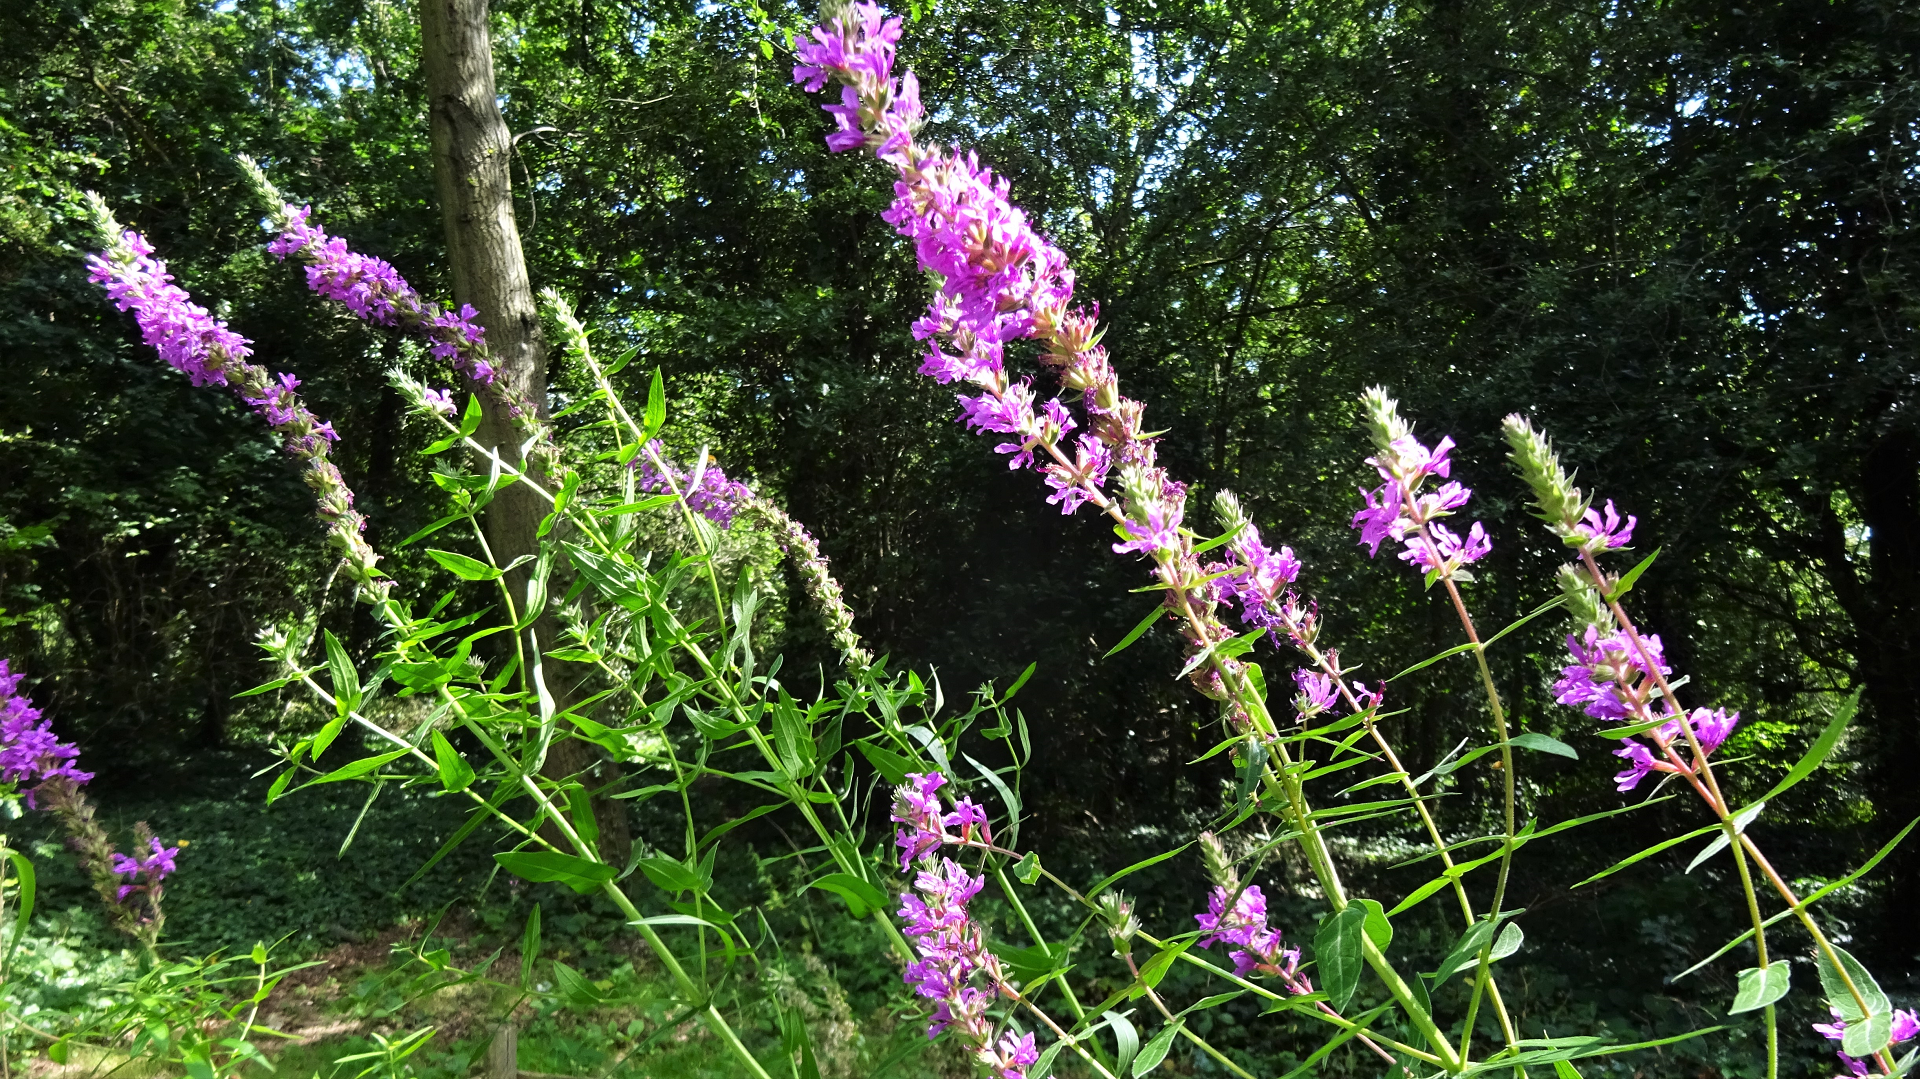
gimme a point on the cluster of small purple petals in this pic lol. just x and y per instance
(185, 334)
(1398, 510)
(373, 290)
(1318, 693)
(1256, 579)
(29, 753)
(1608, 678)
(951, 948)
(191, 341)
(1710, 728)
(145, 873)
(714, 497)
(1906, 1027)
(1598, 532)
(1244, 924)
(1000, 280)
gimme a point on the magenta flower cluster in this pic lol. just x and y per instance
(952, 949)
(29, 753)
(145, 873)
(1241, 920)
(372, 289)
(707, 490)
(1398, 510)
(1906, 1027)
(1256, 579)
(209, 353)
(1001, 281)
(1611, 679)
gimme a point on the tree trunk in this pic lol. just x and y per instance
(472, 152)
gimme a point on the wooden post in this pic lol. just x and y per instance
(503, 1053)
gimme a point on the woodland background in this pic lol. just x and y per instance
(1680, 235)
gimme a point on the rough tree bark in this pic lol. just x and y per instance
(472, 152)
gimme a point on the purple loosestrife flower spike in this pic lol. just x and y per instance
(951, 948)
(29, 753)
(210, 354)
(1001, 280)
(1399, 510)
(1244, 923)
(708, 491)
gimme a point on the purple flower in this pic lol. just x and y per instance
(1906, 1027)
(917, 808)
(714, 496)
(1607, 675)
(29, 753)
(441, 401)
(1074, 485)
(191, 341)
(1596, 533)
(1317, 693)
(373, 290)
(1710, 726)
(1396, 509)
(1011, 1058)
(1245, 924)
(1639, 760)
(1158, 534)
(150, 870)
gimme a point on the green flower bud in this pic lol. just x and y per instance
(1556, 500)
(1219, 866)
(1380, 415)
(1583, 601)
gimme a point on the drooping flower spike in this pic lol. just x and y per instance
(1002, 281)
(193, 342)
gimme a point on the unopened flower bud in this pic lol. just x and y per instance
(1227, 511)
(1583, 602)
(1380, 415)
(1117, 909)
(1556, 500)
(1219, 866)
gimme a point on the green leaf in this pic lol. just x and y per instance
(1379, 929)
(1842, 998)
(1721, 841)
(1633, 576)
(1126, 1040)
(1466, 951)
(1761, 986)
(1028, 868)
(1155, 1051)
(1564, 1069)
(1337, 949)
(471, 569)
(1110, 881)
(327, 734)
(359, 768)
(27, 888)
(455, 774)
(1648, 853)
(1869, 1037)
(552, 867)
(1042, 1068)
(1134, 635)
(793, 739)
(891, 766)
(861, 897)
(268, 687)
(656, 413)
(346, 681)
(1822, 746)
(670, 874)
(1156, 968)
(1541, 743)
(574, 986)
(1433, 659)
(1508, 942)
